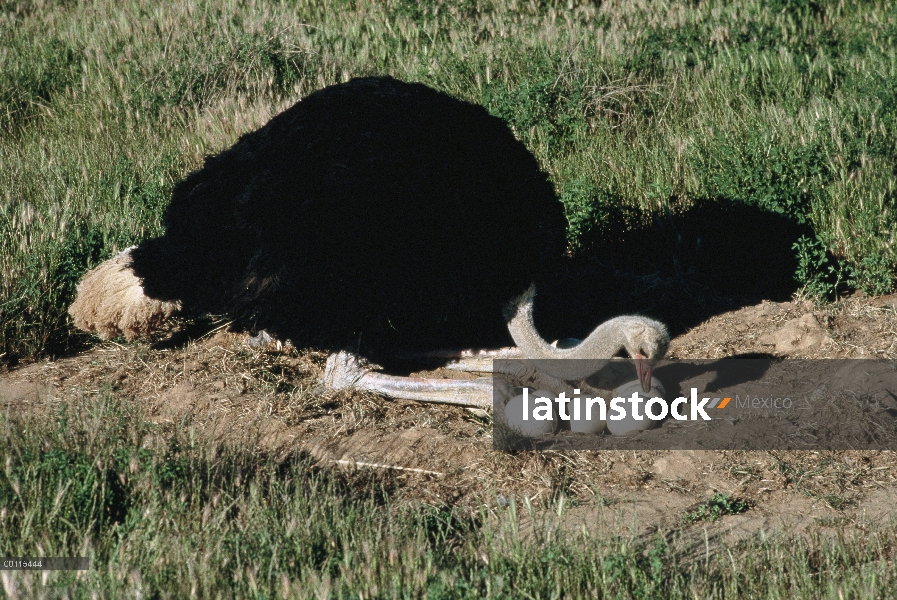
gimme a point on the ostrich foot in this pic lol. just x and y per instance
(347, 371)
(261, 340)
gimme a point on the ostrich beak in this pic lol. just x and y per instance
(643, 369)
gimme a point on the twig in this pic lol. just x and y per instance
(216, 329)
(356, 464)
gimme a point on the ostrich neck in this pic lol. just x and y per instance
(604, 342)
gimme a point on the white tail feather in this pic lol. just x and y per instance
(110, 301)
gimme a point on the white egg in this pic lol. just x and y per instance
(513, 417)
(630, 424)
(594, 425)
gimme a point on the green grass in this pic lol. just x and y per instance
(162, 514)
(634, 108)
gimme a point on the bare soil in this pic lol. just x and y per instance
(269, 399)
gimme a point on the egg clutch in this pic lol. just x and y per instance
(536, 413)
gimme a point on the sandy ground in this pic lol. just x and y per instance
(270, 399)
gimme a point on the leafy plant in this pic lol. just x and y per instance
(873, 275)
(821, 274)
(714, 508)
(768, 173)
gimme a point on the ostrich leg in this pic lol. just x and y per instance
(345, 370)
(645, 341)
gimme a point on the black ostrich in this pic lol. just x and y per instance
(378, 215)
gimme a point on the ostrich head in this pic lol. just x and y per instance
(645, 340)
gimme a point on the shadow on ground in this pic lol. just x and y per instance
(682, 268)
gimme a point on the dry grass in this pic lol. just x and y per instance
(221, 385)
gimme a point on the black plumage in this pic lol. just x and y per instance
(375, 210)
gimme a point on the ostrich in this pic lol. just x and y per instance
(375, 215)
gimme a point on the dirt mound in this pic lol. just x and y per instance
(228, 391)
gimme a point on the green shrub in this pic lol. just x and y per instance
(714, 508)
